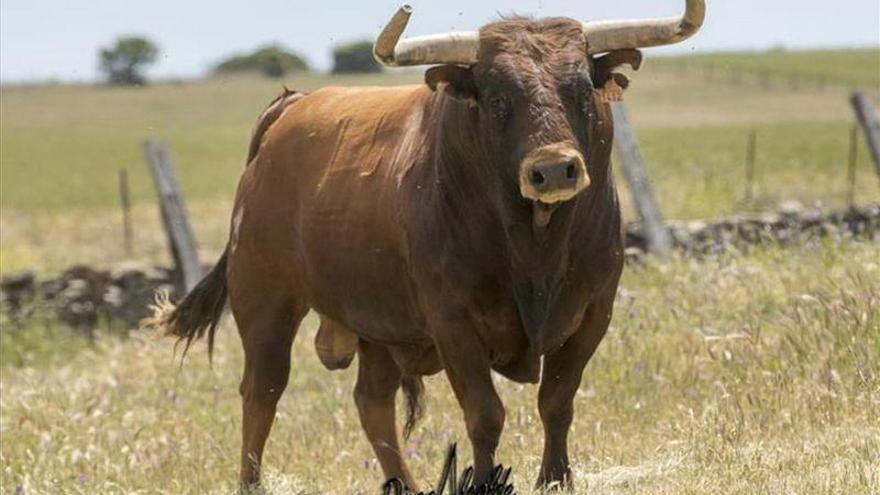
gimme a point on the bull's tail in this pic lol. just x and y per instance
(413, 390)
(198, 313)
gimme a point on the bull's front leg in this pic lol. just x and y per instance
(467, 366)
(560, 379)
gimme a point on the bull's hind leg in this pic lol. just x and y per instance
(267, 320)
(378, 380)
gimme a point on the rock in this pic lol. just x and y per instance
(18, 281)
(634, 255)
(17, 290)
(791, 208)
(81, 297)
(635, 237)
(129, 295)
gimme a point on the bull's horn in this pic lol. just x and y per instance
(605, 36)
(446, 48)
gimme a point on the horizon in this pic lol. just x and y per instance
(209, 74)
(189, 47)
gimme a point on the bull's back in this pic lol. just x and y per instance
(323, 194)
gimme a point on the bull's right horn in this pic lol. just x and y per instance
(606, 36)
(446, 48)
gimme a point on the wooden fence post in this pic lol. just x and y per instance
(870, 123)
(125, 202)
(181, 240)
(633, 165)
(851, 168)
(751, 151)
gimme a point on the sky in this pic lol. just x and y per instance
(59, 39)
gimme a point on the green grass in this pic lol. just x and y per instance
(737, 374)
(62, 146)
(847, 67)
(700, 172)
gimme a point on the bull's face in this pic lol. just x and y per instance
(537, 87)
(535, 90)
(532, 88)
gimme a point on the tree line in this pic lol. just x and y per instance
(125, 61)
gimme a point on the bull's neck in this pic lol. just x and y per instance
(488, 214)
(468, 180)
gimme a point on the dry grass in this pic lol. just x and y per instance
(50, 241)
(739, 374)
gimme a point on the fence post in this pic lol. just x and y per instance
(851, 168)
(181, 240)
(633, 165)
(751, 145)
(870, 123)
(125, 202)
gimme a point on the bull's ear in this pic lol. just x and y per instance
(611, 84)
(454, 80)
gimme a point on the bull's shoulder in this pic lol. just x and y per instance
(328, 106)
(357, 129)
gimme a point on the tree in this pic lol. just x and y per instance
(125, 61)
(354, 57)
(270, 60)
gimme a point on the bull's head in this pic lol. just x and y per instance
(536, 84)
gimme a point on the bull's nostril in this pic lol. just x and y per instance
(571, 172)
(537, 177)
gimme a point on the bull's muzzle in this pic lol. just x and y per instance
(552, 174)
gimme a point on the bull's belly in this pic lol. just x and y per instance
(359, 279)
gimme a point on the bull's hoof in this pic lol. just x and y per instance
(251, 489)
(555, 480)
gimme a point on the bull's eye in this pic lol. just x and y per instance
(499, 107)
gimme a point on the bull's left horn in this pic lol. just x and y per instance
(605, 36)
(446, 48)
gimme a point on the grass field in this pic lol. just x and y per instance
(61, 148)
(850, 68)
(742, 373)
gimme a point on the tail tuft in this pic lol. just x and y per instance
(161, 311)
(197, 314)
(413, 390)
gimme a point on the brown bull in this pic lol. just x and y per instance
(470, 224)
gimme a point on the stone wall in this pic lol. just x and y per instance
(87, 297)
